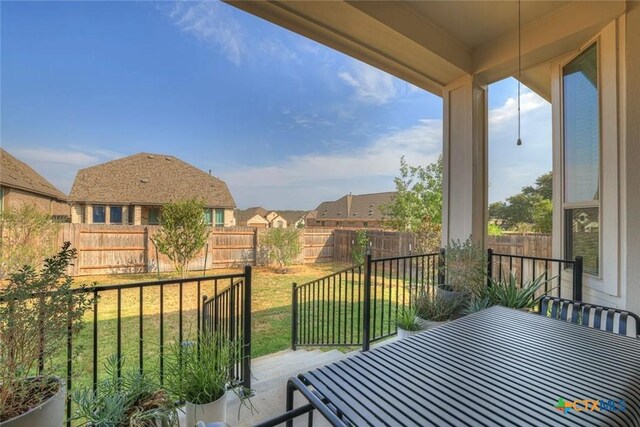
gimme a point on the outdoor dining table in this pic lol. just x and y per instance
(496, 367)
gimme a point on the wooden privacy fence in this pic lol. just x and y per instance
(384, 244)
(116, 249)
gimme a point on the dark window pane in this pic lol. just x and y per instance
(583, 237)
(154, 215)
(208, 216)
(581, 127)
(219, 217)
(115, 214)
(99, 214)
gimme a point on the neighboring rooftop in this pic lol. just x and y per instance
(152, 179)
(355, 207)
(292, 216)
(244, 215)
(17, 174)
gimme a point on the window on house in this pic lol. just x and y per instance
(130, 213)
(99, 214)
(581, 150)
(280, 224)
(219, 217)
(115, 214)
(365, 224)
(154, 216)
(208, 216)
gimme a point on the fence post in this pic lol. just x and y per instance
(577, 279)
(246, 335)
(489, 266)
(366, 315)
(441, 266)
(294, 315)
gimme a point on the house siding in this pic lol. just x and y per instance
(13, 198)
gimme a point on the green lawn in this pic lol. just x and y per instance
(271, 316)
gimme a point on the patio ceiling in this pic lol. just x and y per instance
(433, 43)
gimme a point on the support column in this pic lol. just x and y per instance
(464, 204)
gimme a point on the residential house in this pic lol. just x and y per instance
(252, 217)
(132, 190)
(21, 185)
(262, 218)
(581, 56)
(362, 210)
(294, 219)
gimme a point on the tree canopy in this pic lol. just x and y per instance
(183, 233)
(418, 198)
(532, 205)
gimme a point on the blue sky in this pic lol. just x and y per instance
(286, 122)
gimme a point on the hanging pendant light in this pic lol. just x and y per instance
(519, 142)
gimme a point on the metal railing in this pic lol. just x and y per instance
(229, 313)
(527, 268)
(359, 305)
(135, 321)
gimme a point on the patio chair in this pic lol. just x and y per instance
(614, 320)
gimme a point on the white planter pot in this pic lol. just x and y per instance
(403, 333)
(429, 324)
(209, 413)
(48, 414)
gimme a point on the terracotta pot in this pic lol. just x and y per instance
(209, 412)
(50, 413)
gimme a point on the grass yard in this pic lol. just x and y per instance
(271, 316)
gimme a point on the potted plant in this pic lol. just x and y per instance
(408, 323)
(464, 269)
(202, 375)
(132, 399)
(433, 309)
(508, 293)
(37, 310)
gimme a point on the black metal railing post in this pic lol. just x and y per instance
(366, 315)
(294, 315)
(246, 333)
(489, 266)
(441, 266)
(577, 279)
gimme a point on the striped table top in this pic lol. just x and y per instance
(497, 367)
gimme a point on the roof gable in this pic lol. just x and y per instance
(17, 174)
(152, 179)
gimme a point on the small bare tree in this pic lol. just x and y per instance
(183, 233)
(27, 237)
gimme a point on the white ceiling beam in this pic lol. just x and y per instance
(553, 35)
(355, 32)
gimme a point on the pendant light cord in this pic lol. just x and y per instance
(519, 64)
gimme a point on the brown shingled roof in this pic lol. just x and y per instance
(17, 174)
(360, 207)
(152, 179)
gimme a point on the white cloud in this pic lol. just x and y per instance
(529, 101)
(60, 166)
(371, 85)
(211, 23)
(512, 167)
(305, 181)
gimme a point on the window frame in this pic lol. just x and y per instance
(567, 207)
(214, 219)
(104, 214)
(207, 216)
(111, 208)
(149, 210)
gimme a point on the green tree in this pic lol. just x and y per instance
(27, 237)
(359, 249)
(531, 208)
(418, 198)
(183, 233)
(282, 246)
